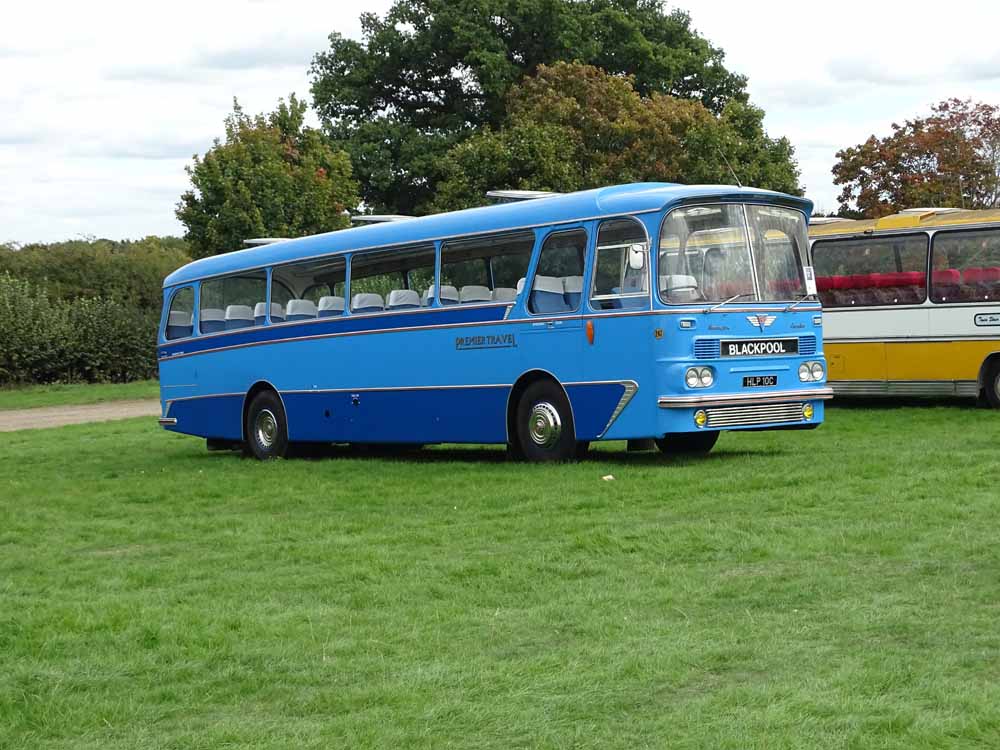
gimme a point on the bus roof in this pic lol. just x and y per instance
(911, 218)
(557, 209)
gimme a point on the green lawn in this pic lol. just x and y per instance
(32, 396)
(829, 589)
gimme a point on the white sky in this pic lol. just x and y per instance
(102, 104)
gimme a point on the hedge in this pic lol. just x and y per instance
(90, 339)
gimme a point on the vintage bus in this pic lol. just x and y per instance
(912, 303)
(644, 312)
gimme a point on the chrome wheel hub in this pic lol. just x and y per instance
(996, 386)
(266, 428)
(544, 424)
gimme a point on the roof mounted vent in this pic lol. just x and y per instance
(513, 196)
(378, 218)
(256, 241)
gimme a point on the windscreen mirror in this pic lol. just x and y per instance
(636, 257)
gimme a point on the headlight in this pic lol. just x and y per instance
(805, 374)
(699, 377)
(691, 378)
(817, 371)
(705, 377)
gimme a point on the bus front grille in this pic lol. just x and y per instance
(707, 348)
(807, 346)
(746, 416)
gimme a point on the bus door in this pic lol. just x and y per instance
(551, 336)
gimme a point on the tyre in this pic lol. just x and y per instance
(991, 384)
(687, 443)
(266, 427)
(545, 423)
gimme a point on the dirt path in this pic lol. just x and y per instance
(57, 416)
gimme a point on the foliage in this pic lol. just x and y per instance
(575, 126)
(159, 596)
(89, 339)
(431, 72)
(950, 158)
(273, 176)
(131, 272)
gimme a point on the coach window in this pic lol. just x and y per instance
(228, 303)
(314, 289)
(873, 271)
(779, 240)
(966, 266)
(486, 269)
(396, 279)
(621, 266)
(558, 281)
(181, 316)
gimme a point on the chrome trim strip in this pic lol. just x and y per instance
(914, 339)
(750, 416)
(889, 388)
(631, 388)
(729, 399)
(396, 388)
(167, 421)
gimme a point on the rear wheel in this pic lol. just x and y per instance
(545, 423)
(266, 427)
(991, 384)
(687, 443)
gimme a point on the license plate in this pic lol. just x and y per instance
(760, 347)
(759, 381)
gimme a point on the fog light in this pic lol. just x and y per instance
(817, 371)
(807, 411)
(700, 418)
(804, 373)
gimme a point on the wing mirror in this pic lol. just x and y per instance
(636, 257)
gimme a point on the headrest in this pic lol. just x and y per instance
(473, 293)
(331, 303)
(366, 299)
(212, 313)
(239, 312)
(572, 284)
(504, 294)
(548, 284)
(678, 281)
(398, 297)
(520, 284)
(301, 307)
(449, 293)
(277, 311)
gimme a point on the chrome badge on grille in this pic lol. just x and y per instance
(761, 321)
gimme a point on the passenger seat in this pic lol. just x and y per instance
(179, 325)
(239, 316)
(504, 294)
(260, 313)
(402, 299)
(547, 295)
(331, 306)
(212, 320)
(367, 302)
(572, 290)
(473, 293)
(300, 309)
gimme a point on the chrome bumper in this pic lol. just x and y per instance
(745, 399)
(167, 421)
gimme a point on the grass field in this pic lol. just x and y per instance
(829, 589)
(33, 396)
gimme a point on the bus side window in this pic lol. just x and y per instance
(871, 272)
(315, 289)
(393, 279)
(560, 267)
(486, 269)
(229, 303)
(621, 266)
(180, 318)
(966, 266)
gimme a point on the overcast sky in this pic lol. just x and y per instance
(102, 104)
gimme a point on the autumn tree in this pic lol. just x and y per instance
(430, 73)
(272, 176)
(950, 158)
(572, 127)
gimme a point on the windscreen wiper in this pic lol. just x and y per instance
(799, 301)
(726, 302)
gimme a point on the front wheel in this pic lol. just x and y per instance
(266, 427)
(991, 384)
(545, 429)
(687, 443)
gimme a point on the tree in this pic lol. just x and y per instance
(575, 126)
(432, 72)
(273, 176)
(950, 158)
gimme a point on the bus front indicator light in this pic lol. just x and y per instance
(700, 418)
(807, 412)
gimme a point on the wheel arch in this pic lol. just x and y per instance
(518, 389)
(993, 358)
